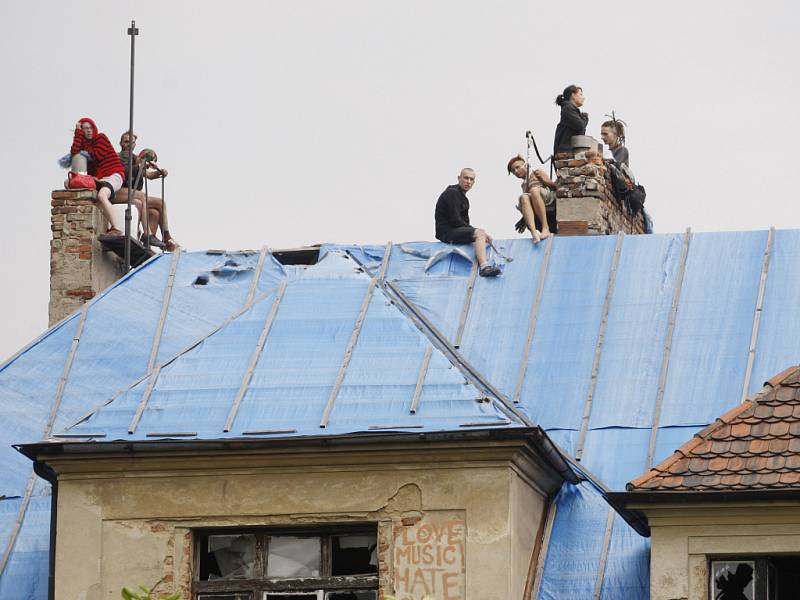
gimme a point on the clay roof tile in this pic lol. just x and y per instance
(790, 478)
(760, 429)
(793, 462)
(782, 411)
(775, 463)
(769, 479)
(717, 464)
(736, 463)
(740, 430)
(763, 411)
(779, 429)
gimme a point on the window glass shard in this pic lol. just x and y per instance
(360, 595)
(291, 556)
(354, 554)
(228, 557)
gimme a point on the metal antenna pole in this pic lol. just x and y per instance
(133, 31)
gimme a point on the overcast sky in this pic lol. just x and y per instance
(290, 123)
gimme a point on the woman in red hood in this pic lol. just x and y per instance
(105, 166)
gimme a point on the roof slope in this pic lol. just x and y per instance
(311, 355)
(620, 348)
(755, 446)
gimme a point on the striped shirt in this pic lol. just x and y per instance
(106, 160)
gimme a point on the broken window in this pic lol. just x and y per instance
(354, 554)
(229, 557)
(755, 578)
(291, 556)
(328, 563)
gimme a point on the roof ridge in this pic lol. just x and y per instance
(776, 380)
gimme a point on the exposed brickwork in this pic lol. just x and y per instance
(79, 268)
(754, 446)
(586, 204)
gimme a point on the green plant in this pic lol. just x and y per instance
(147, 594)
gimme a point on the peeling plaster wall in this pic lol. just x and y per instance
(132, 526)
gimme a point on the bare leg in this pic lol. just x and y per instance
(121, 197)
(161, 205)
(527, 214)
(153, 217)
(105, 206)
(541, 211)
(480, 246)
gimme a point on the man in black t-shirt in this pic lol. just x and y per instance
(452, 221)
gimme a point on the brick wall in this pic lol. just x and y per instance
(79, 268)
(586, 204)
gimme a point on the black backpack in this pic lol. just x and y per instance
(630, 195)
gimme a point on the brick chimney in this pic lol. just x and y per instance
(79, 268)
(585, 204)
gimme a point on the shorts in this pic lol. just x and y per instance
(113, 182)
(548, 197)
(459, 235)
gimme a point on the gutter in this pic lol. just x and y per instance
(47, 473)
(551, 453)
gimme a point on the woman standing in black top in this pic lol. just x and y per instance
(573, 121)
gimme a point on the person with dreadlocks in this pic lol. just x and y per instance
(573, 122)
(625, 188)
(613, 134)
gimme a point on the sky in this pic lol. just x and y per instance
(292, 123)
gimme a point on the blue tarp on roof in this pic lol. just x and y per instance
(587, 340)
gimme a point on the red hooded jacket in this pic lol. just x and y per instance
(106, 160)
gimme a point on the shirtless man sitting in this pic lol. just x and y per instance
(156, 207)
(537, 190)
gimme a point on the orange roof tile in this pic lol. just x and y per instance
(755, 445)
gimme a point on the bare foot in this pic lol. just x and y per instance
(537, 237)
(545, 234)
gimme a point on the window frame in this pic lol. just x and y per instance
(325, 581)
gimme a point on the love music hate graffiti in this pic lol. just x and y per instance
(429, 559)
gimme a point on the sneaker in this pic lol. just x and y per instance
(154, 241)
(489, 271)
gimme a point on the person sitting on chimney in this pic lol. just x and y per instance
(573, 122)
(452, 222)
(104, 166)
(612, 133)
(538, 190)
(156, 207)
